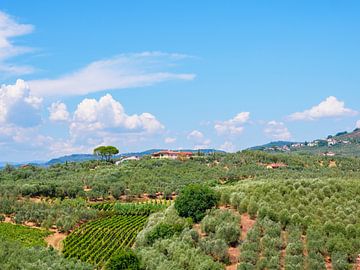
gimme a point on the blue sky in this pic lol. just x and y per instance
(166, 74)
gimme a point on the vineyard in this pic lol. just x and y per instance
(26, 236)
(96, 241)
(141, 208)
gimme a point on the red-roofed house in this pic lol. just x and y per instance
(168, 154)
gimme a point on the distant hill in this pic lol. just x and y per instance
(272, 145)
(86, 157)
(340, 144)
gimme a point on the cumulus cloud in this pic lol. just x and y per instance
(58, 112)
(195, 135)
(107, 115)
(9, 29)
(18, 106)
(233, 126)
(277, 130)
(198, 139)
(169, 140)
(228, 147)
(330, 107)
(123, 71)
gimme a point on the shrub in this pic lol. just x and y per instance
(161, 231)
(217, 248)
(252, 209)
(125, 259)
(194, 200)
(245, 266)
(229, 233)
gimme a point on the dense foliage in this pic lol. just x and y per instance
(306, 212)
(167, 242)
(325, 212)
(106, 152)
(194, 200)
(126, 259)
(15, 256)
(62, 214)
(96, 179)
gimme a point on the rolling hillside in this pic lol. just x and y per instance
(340, 144)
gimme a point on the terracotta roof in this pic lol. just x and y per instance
(169, 152)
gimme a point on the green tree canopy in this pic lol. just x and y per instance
(125, 259)
(194, 200)
(106, 152)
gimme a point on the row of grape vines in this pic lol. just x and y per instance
(140, 208)
(95, 242)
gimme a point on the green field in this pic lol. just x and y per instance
(26, 236)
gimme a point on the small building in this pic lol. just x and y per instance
(329, 154)
(168, 154)
(331, 142)
(127, 159)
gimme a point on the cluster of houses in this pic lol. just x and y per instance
(164, 154)
(317, 143)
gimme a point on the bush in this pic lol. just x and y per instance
(161, 231)
(217, 248)
(125, 259)
(229, 233)
(194, 200)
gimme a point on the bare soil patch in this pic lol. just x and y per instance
(246, 224)
(357, 264)
(197, 228)
(332, 164)
(234, 255)
(55, 240)
(328, 263)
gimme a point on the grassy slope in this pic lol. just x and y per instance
(26, 236)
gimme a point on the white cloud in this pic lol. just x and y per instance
(358, 124)
(18, 106)
(233, 126)
(330, 107)
(195, 135)
(107, 116)
(198, 139)
(58, 112)
(169, 140)
(203, 145)
(9, 29)
(277, 130)
(228, 147)
(123, 71)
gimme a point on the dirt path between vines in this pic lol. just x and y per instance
(246, 223)
(284, 236)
